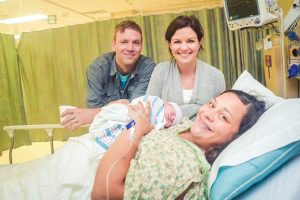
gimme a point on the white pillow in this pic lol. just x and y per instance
(248, 84)
(277, 128)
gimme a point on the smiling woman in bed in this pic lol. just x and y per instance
(170, 163)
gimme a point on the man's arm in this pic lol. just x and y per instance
(95, 88)
(74, 118)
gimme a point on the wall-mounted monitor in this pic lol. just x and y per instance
(249, 13)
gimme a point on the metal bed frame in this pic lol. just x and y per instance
(49, 128)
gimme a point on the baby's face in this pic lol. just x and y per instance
(170, 114)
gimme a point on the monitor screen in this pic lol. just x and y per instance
(238, 9)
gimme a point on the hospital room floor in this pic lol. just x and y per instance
(25, 153)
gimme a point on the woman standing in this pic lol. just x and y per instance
(186, 80)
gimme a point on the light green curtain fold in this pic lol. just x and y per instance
(11, 101)
(243, 54)
(53, 62)
(52, 65)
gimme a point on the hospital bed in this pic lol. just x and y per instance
(262, 164)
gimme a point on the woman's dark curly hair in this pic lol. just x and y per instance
(254, 110)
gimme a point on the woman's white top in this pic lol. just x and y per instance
(187, 96)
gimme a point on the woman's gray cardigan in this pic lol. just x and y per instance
(165, 82)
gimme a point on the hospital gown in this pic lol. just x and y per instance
(165, 166)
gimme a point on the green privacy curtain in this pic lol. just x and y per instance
(53, 62)
(11, 101)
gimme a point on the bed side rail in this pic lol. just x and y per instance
(49, 128)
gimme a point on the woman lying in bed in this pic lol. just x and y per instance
(165, 166)
(170, 163)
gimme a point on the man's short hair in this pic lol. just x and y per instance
(127, 24)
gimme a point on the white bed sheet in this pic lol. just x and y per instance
(68, 174)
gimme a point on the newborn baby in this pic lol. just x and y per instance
(113, 118)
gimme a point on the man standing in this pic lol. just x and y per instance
(118, 76)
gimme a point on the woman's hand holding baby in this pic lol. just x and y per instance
(141, 116)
